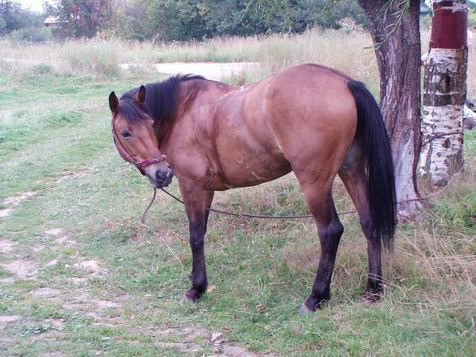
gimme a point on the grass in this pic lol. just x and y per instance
(349, 52)
(274, 52)
(95, 281)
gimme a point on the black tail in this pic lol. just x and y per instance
(374, 141)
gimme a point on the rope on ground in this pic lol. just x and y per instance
(263, 216)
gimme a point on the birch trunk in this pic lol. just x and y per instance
(395, 30)
(444, 94)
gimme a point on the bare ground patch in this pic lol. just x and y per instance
(191, 339)
(65, 175)
(6, 319)
(6, 281)
(6, 246)
(22, 268)
(11, 202)
(5, 212)
(46, 292)
(90, 266)
(61, 237)
(15, 200)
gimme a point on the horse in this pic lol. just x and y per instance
(310, 119)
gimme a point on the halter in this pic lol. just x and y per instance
(141, 165)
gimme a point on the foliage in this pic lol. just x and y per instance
(32, 34)
(128, 20)
(80, 18)
(181, 20)
(13, 17)
(472, 17)
(166, 20)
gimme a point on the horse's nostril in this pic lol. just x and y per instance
(163, 175)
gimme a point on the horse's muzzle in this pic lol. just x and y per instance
(160, 176)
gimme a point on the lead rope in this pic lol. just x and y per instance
(148, 207)
(263, 216)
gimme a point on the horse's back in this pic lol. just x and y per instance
(311, 112)
(301, 118)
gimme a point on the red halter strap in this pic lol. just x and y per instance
(141, 165)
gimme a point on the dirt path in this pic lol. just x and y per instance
(210, 70)
(72, 294)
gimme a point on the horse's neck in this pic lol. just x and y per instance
(189, 90)
(194, 94)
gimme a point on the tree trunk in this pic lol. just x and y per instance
(444, 94)
(395, 30)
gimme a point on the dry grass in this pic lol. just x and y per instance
(434, 262)
(348, 52)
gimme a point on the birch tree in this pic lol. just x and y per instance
(444, 93)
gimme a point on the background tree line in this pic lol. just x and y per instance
(178, 20)
(13, 17)
(166, 20)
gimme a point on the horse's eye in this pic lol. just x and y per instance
(126, 134)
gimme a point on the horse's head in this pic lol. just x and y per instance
(135, 139)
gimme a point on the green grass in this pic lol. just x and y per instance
(56, 142)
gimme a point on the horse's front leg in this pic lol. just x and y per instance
(197, 201)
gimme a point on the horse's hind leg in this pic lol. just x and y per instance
(321, 205)
(353, 176)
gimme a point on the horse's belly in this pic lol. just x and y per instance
(249, 171)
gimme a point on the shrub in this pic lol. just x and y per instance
(32, 34)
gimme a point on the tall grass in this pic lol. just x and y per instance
(347, 52)
(80, 57)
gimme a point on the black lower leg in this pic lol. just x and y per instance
(329, 238)
(198, 276)
(375, 280)
(374, 249)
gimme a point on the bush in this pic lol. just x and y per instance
(32, 34)
(472, 18)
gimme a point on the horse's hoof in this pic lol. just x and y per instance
(186, 299)
(191, 296)
(371, 298)
(304, 310)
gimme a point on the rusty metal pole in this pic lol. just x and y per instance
(444, 93)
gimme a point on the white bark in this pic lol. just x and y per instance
(442, 151)
(442, 121)
(404, 185)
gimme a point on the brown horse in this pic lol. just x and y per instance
(309, 119)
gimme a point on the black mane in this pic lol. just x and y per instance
(160, 99)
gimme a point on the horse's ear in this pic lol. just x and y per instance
(113, 102)
(141, 95)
